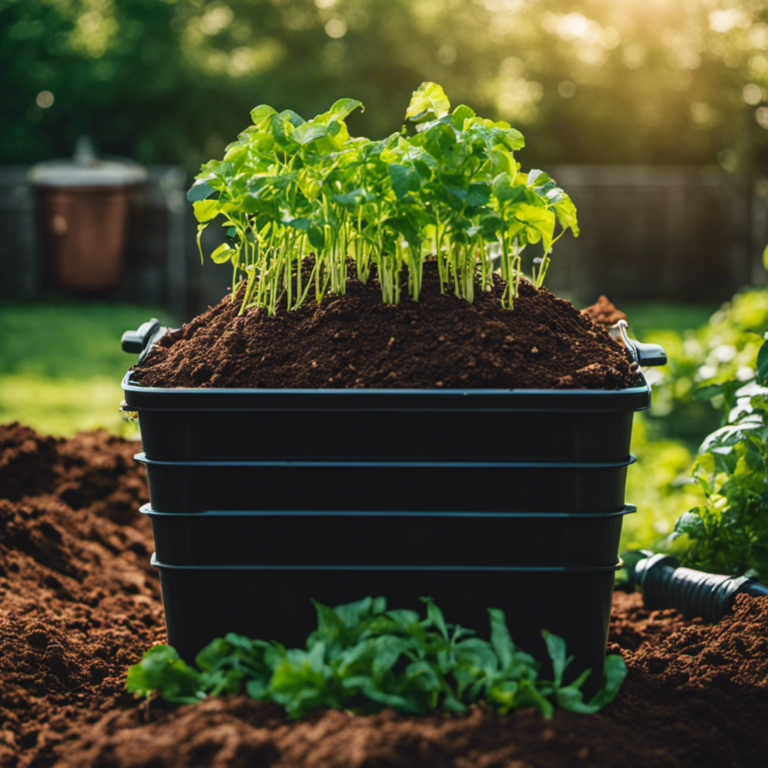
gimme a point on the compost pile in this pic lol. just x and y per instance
(79, 603)
(603, 312)
(355, 340)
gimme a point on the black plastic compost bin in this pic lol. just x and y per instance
(273, 602)
(448, 486)
(418, 538)
(263, 499)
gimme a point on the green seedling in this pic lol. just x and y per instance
(363, 657)
(450, 190)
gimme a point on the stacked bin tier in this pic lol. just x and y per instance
(262, 500)
(434, 539)
(450, 486)
(556, 426)
(274, 603)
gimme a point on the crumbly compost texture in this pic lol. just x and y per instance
(79, 603)
(356, 340)
(604, 313)
(78, 597)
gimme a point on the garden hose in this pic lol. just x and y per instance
(664, 584)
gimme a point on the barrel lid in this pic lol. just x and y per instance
(86, 170)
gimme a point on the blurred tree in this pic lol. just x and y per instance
(593, 80)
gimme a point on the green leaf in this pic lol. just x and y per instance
(405, 227)
(707, 392)
(199, 191)
(405, 179)
(514, 139)
(502, 188)
(530, 696)
(161, 669)
(316, 236)
(290, 116)
(566, 215)
(503, 162)
(404, 618)
(690, 524)
(501, 640)
(352, 614)
(428, 102)
(301, 222)
(309, 132)
(343, 107)
(556, 651)
(354, 198)
(257, 689)
(223, 254)
(571, 698)
(388, 650)
(262, 115)
(329, 624)
(435, 616)
(478, 194)
(459, 115)
(540, 223)
(537, 177)
(762, 365)
(205, 210)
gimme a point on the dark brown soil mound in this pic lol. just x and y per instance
(604, 313)
(78, 598)
(355, 340)
(79, 603)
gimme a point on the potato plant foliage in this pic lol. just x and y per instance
(289, 187)
(363, 657)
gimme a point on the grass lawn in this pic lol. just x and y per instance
(61, 364)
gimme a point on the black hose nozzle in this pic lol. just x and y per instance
(665, 584)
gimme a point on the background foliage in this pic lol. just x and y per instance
(594, 80)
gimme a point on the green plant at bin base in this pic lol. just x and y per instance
(289, 186)
(363, 658)
(728, 533)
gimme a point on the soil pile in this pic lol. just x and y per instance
(78, 598)
(604, 313)
(80, 603)
(356, 340)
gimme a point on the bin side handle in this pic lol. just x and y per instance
(645, 355)
(141, 340)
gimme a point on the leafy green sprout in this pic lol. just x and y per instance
(363, 657)
(289, 187)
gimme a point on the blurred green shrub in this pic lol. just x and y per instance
(728, 531)
(658, 485)
(687, 405)
(725, 349)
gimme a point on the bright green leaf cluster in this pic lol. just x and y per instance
(728, 533)
(363, 657)
(290, 187)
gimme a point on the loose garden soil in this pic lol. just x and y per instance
(79, 602)
(603, 312)
(356, 340)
